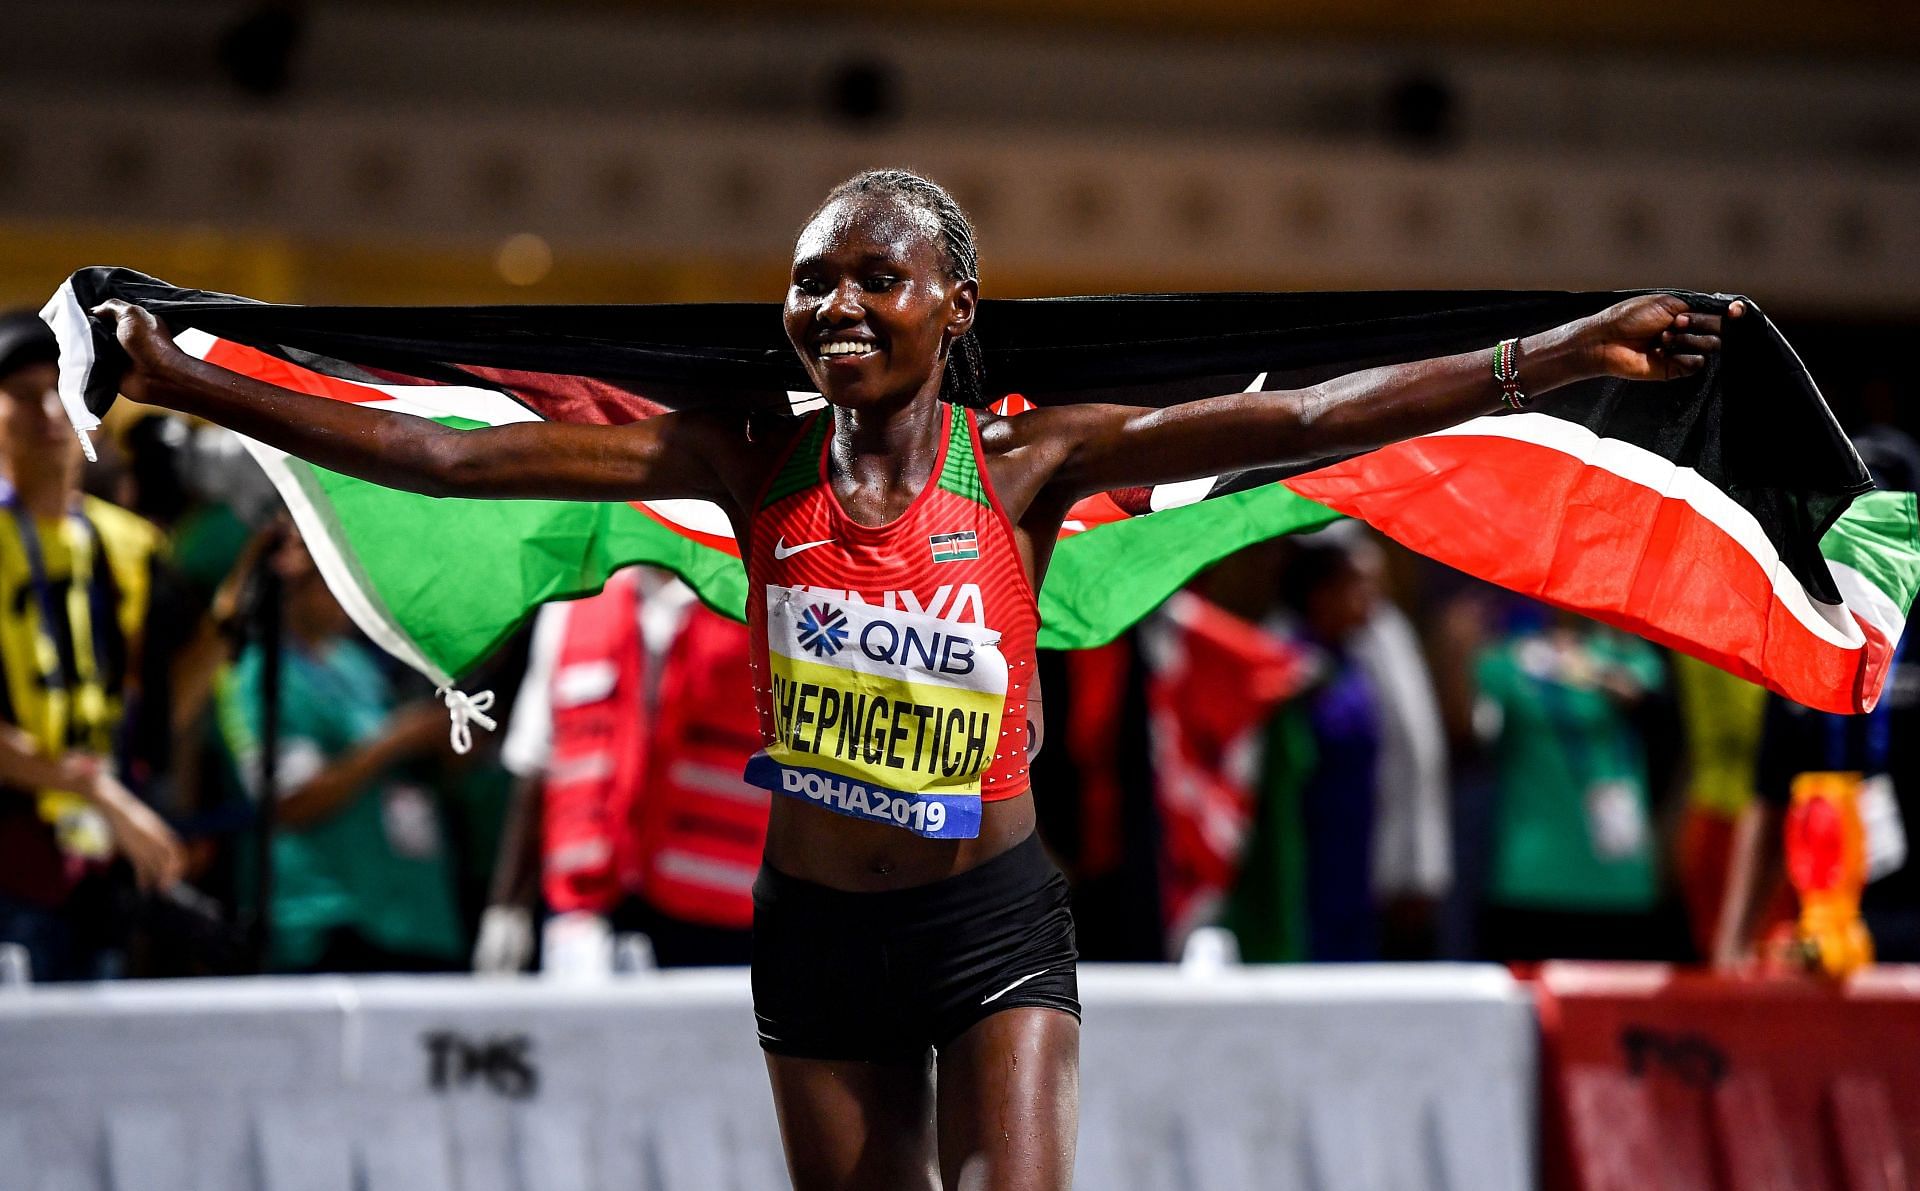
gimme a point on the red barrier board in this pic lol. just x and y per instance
(1662, 1079)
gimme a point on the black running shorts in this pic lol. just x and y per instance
(882, 976)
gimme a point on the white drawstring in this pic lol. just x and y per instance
(464, 709)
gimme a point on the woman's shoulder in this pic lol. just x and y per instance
(749, 431)
(1002, 433)
(776, 448)
(1031, 425)
(743, 445)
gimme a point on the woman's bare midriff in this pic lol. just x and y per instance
(843, 853)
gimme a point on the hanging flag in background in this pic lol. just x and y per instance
(1724, 514)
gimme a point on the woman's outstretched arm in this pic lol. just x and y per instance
(1079, 450)
(671, 455)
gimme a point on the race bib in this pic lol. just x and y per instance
(884, 715)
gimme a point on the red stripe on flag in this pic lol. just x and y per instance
(273, 370)
(715, 541)
(567, 397)
(1546, 524)
(1098, 509)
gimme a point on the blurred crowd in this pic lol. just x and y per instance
(1325, 749)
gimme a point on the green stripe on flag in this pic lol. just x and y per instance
(459, 576)
(1879, 537)
(1103, 580)
(456, 577)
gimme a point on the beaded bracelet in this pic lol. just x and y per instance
(1506, 373)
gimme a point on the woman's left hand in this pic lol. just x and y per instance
(1654, 337)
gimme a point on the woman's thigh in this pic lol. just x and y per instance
(855, 1126)
(1009, 1103)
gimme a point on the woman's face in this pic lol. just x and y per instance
(870, 307)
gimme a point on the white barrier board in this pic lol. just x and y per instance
(1315, 1079)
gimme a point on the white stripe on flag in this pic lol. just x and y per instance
(1872, 605)
(1641, 466)
(331, 555)
(700, 516)
(74, 337)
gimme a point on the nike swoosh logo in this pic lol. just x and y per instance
(782, 550)
(1016, 984)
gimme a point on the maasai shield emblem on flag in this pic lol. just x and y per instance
(1724, 514)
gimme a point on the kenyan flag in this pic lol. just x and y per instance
(1724, 515)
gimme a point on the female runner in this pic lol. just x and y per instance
(905, 909)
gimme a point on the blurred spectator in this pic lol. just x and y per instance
(1307, 888)
(1573, 866)
(1413, 844)
(633, 727)
(1722, 716)
(1333, 590)
(1879, 746)
(1460, 613)
(362, 877)
(1883, 746)
(74, 580)
(167, 480)
(143, 466)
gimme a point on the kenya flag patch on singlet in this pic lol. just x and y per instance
(954, 547)
(880, 714)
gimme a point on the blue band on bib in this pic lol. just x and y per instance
(936, 816)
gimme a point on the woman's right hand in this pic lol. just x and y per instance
(147, 342)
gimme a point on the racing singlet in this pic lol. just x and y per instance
(891, 663)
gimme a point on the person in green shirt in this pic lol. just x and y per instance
(1573, 870)
(363, 879)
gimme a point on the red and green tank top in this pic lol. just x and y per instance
(892, 662)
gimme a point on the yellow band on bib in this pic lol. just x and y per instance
(901, 700)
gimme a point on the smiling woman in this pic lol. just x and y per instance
(941, 225)
(906, 916)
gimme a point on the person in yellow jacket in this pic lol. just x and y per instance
(73, 596)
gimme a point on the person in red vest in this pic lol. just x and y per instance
(634, 723)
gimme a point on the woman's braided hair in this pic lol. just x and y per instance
(965, 364)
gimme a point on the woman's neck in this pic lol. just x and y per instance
(886, 448)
